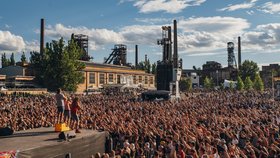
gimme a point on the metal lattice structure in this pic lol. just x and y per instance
(168, 68)
(166, 44)
(118, 55)
(82, 41)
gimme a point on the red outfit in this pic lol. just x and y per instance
(74, 108)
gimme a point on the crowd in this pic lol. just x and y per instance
(218, 124)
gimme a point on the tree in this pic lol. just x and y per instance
(4, 60)
(231, 85)
(38, 64)
(248, 68)
(240, 84)
(154, 68)
(208, 83)
(258, 83)
(59, 67)
(23, 58)
(141, 65)
(145, 65)
(12, 59)
(222, 86)
(248, 84)
(148, 66)
(185, 84)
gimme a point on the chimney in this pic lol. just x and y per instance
(146, 58)
(169, 54)
(239, 52)
(136, 56)
(42, 36)
(175, 44)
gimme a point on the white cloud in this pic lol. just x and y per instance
(195, 35)
(250, 12)
(153, 20)
(271, 8)
(237, 7)
(168, 6)
(141, 34)
(10, 42)
(32, 46)
(209, 33)
(264, 37)
(202, 54)
(253, 1)
(246, 5)
(216, 25)
(202, 33)
(97, 37)
(123, 1)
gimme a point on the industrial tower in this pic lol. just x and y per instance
(169, 69)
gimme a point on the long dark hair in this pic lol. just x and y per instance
(75, 101)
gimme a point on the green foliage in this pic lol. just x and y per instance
(208, 83)
(23, 58)
(37, 63)
(146, 66)
(5, 62)
(154, 68)
(248, 68)
(185, 84)
(248, 84)
(231, 86)
(258, 83)
(59, 67)
(222, 86)
(12, 59)
(240, 84)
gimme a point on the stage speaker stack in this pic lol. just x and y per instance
(164, 76)
(6, 131)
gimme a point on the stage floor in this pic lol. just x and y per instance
(43, 138)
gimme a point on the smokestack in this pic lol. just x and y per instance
(239, 52)
(42, 36)
(146, 59)
(175, 55)
(169, 54)
(136, 56)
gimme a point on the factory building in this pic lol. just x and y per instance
(98, 76)
(16, 77)
(266, 74)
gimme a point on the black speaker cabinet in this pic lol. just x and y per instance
(164, 76)
(6, 131)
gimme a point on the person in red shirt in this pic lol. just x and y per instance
(181, 151)
(74, 113)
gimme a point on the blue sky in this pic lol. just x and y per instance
(204, 27)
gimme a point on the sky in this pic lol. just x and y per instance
(204, 27)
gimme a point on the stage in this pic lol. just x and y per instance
(44, 142)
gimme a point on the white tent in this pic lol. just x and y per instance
(227, 83)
